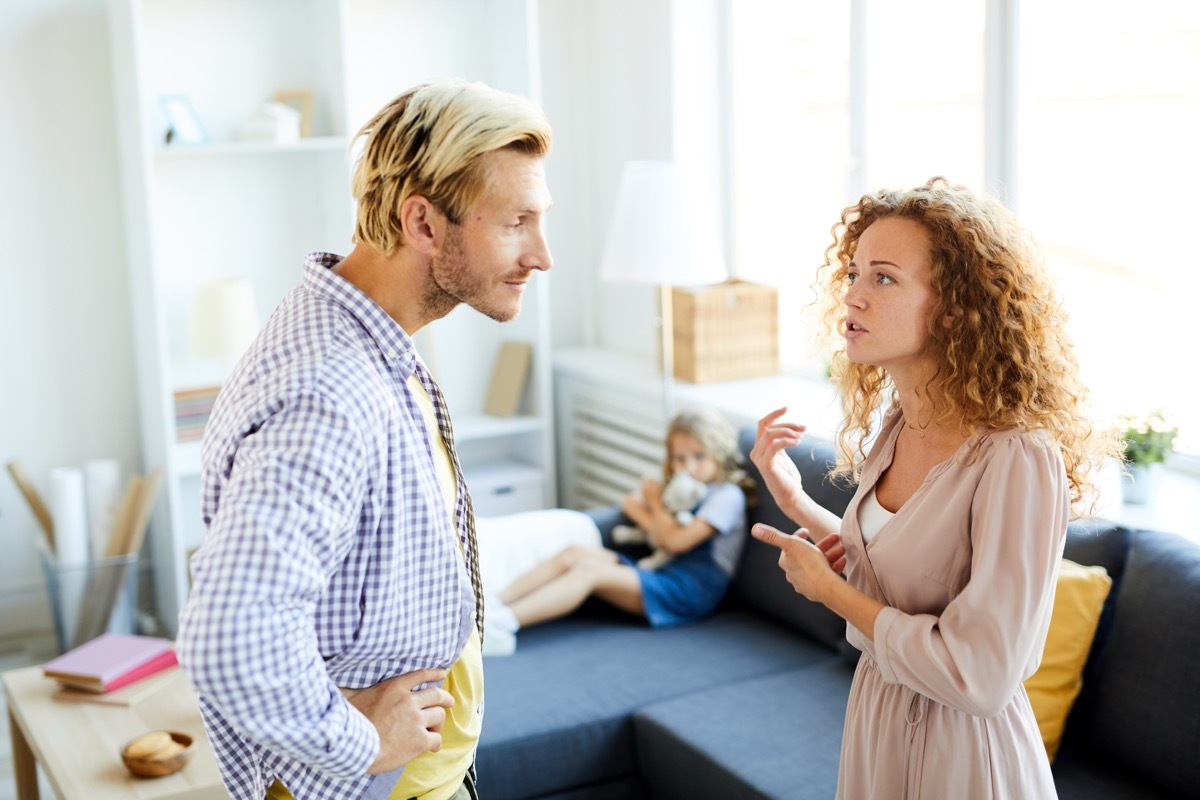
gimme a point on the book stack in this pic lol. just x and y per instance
(111, 661)
(192, 407)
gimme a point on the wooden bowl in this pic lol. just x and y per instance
(157, 753)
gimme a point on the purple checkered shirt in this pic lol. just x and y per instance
(329, 558)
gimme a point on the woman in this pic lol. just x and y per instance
(955, 372)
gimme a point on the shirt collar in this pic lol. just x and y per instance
(395, 346)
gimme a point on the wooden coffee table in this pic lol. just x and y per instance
(78, 745)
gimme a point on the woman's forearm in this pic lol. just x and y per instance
(858, 609)
(808, 513)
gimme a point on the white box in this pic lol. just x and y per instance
(504, 487)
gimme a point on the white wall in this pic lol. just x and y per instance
(67, 386)
(66, 358)
(622, 80)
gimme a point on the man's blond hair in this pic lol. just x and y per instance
(431, 141)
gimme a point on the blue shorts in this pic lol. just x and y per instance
(681, 591)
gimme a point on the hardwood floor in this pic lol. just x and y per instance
(14, 654)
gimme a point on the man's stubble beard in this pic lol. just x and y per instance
(452, 282)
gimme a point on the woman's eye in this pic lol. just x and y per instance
(851, 277)
(885, 279)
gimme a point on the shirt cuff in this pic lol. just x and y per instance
(884, 622)
(353, 742)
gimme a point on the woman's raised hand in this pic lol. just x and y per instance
(778, 471)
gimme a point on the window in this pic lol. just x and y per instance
(830, 100)
(790, 127)
(1107, 174)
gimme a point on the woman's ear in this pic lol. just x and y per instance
(421, 223)
(948, 321)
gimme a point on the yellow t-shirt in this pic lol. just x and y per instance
(437, 776)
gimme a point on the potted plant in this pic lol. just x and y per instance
(1148, 441)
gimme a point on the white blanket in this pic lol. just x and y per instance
(510, 546)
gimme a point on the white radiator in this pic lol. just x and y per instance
(609, 439)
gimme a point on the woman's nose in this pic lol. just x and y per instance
(853, 296)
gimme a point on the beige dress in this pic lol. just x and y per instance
(967, 570)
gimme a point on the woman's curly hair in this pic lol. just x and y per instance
(1005, 361)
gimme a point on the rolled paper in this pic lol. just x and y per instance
(102, 484)
(68, 506)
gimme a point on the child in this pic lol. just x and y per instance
(706, 550)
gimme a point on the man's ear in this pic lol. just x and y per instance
(421, 223)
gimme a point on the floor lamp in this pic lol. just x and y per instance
(658, 236)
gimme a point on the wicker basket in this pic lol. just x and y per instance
(725, 332)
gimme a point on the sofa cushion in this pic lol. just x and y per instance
(1147, 693)
(558, 711)
(1078, 599)
(759, 584)
(1106, 545)
(1093, 779)
(773, 738)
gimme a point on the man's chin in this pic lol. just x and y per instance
(500, 314)
(504, 308)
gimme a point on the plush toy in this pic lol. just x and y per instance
(680, 496)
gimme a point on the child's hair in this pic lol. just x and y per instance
(717, 436)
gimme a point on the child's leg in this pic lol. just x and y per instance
(551, 568)
(608, 579)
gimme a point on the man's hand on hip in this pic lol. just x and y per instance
(409, 720)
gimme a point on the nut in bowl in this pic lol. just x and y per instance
(157, 753)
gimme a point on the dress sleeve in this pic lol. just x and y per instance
(286, 517)
(989, 638)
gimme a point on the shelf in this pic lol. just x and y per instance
(476, 427)
(810, 401)
(251, 209)
(310, 145)
(185, 458)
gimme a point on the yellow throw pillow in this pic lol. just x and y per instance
(1054, 687)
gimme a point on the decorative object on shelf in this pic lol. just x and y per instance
(183, 124)
(509, 376)
(192, 409)
(274, 122)
(224, 321)
(658, 235)
(301, 100)
(726, 332)
(1149, 440)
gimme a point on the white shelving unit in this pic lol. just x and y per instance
(248, 209)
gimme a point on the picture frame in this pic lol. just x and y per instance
(302, 101)
(183, 124)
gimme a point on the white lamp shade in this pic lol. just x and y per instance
(658, 234)
(224, 321)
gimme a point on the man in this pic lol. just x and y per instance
(334, 625)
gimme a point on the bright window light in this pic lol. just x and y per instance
(825, 106)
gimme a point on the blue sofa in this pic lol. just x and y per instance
(750, 702)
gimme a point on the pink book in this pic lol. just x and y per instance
(111, 660)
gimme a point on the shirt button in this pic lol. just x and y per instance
(391, 354)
